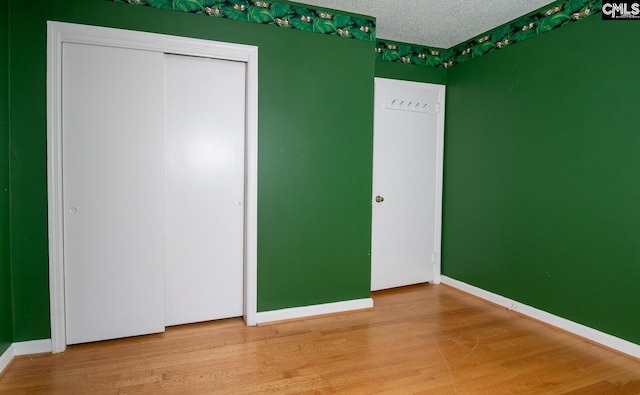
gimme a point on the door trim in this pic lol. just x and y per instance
(59, 33)
(440, 89)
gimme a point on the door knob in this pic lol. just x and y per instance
(379, 199)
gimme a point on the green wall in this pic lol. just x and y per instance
(542, 193)
(410, 72)
(315, 149)
(540, 198)
(6, 315)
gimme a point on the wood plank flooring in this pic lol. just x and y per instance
(423, 339)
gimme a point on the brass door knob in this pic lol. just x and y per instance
(379, 199)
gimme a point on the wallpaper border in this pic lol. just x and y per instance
(541, 21)
(287, 16)
(318, 20)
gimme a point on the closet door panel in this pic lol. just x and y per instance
(113, 187)
(205, 118)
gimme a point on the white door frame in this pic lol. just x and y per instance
(440, 89)
(59, 33)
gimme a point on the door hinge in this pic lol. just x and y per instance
(433, 258)
(438, 108)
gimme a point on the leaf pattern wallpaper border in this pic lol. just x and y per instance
(269, 13)
(332, 23)
(546, 19)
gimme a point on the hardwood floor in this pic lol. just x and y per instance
(423, 339)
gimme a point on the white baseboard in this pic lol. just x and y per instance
(594, 335)
(318, 309)
(6, 358)
(32, 347)
(23, 348)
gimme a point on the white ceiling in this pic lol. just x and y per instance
(436, 23)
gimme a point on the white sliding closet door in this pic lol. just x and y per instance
(153, 190)
(205, 118)
(113, 192)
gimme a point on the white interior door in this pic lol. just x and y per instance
(205, 188)
(405, 216)
(113, 192)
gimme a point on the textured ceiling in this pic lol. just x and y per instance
(436, 23)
